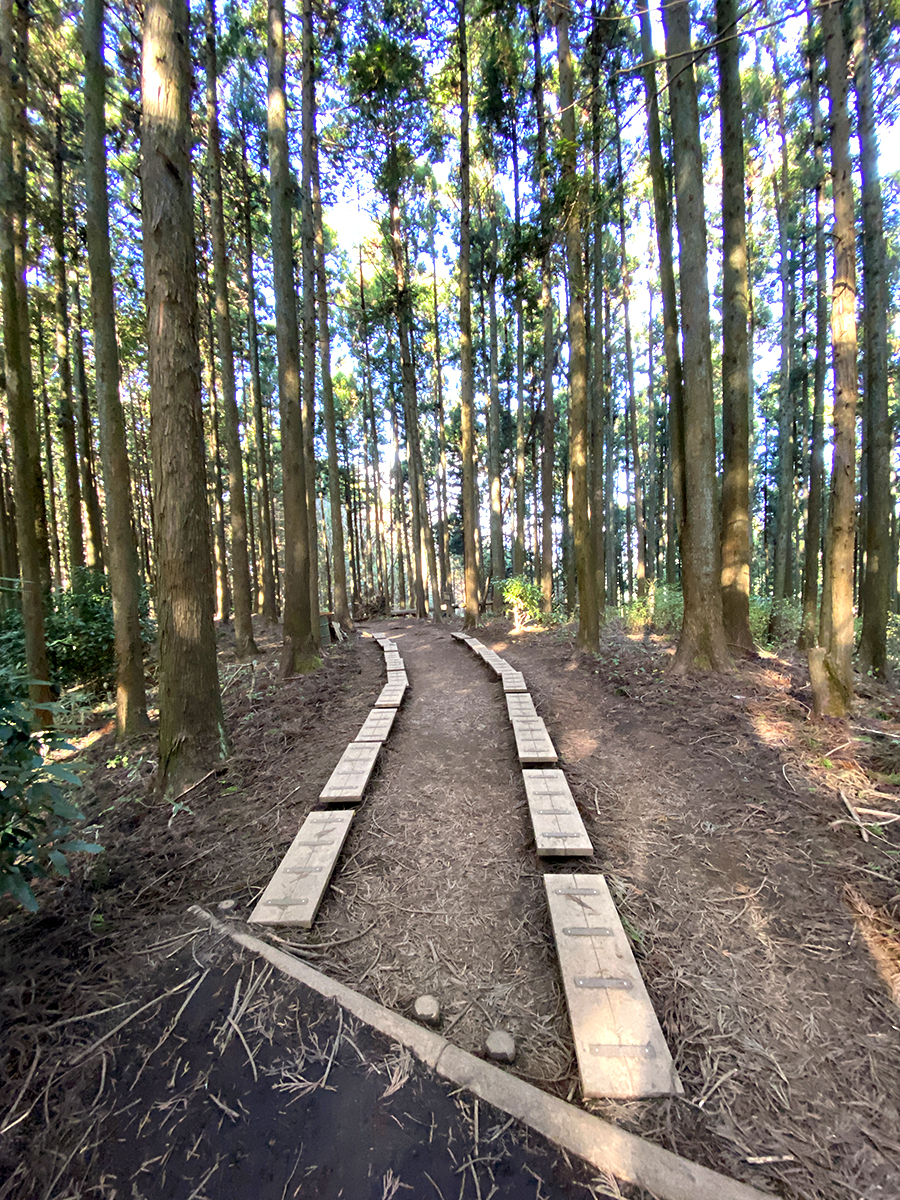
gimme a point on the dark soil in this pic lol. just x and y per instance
(765, 927)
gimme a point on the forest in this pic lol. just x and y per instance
(368, 308)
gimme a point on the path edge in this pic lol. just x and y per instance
(603, 1145)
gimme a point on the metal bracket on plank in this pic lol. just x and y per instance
(577, 891)
(317, 845)
(303, 870)
(595, 981)
(580, 931)
(286, 902)
(550, 833)
(554, 812)
(647, 1051)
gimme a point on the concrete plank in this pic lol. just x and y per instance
(295, 891)
(559, 831)
(533, 743)
(377, 725)
(349, 778)
(619, 1045)
(391, 695)
(520, 704)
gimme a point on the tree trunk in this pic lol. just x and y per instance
(299, 643)
(519, 539)
(124, 578)
(49, 477)
(498, 557)
(702, 641)
(735, 344)
(84, 430)
(269, 600)
(662, 211)
(836, 699)
(244, 645)
(19, 384)
(191, 726)
(467, 380)
(878, 434)
(308, 267)
(813, 540)
(341, 603)
(66, 409)
(588, 618)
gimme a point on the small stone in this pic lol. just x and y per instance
(226, 905)
(428, 1010)
(500, 1046)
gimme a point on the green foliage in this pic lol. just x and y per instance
(36, 817)
(79, 632)
(523, 597)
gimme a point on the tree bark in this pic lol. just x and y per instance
(735, 344)
(124, 579)
(94, 550)
(877, 438)
(702, 641)
(588, 617)
(244, 645)
(498, 557)
(467, 379)
(19, 384)
(837, 698)
(308, 268)
(299, 645)
(191, 726)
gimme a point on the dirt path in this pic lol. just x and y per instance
(706, 807)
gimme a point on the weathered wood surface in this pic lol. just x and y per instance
(520, 704)
(392, 660)
(559, 831)
(513, 681)
(391, 695)
(377, 725)
(397, 677)
(461, 637)
(533, 743)
(349, 778)
(295, 891)
(620, 1047)
(388, 645)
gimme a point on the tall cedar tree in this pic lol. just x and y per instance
(466, 365)
(240, 555)
(19, 388)
(191, 726)
(124, 582)
(588, 616)
(735, 340)
(702, 641)
(831, 667)
(299, 645)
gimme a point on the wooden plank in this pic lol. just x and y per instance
(377, 725)
(533, 742)
(387, 645)
(461, 637)
(477, 646)
(520, 704)
(620, 1047)
(558, 828)
(395, 676)
(514, 681)
(295, 891)
(498, 665)
(393, 661)
(349, 778)
(391, 695)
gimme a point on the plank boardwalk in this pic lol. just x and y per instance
(461, 637)
(377, 725)
(513, 681)
(391, 695)
(349, 778)
(558, 828)
(620, 1047)
(533, 742)
(295, 891)
(520, 704)
(395, 676)
(393, 660)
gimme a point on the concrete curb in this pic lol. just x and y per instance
(605, 1146)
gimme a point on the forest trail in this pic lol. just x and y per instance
(719, 851)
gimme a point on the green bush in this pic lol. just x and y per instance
(523, 597)
(79, 631)
(36, 817)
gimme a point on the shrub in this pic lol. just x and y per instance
(79, 633)
(523, 597)
(36, 817)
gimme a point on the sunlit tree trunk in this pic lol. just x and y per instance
(191, 726)
(467, 379)
(735, 344)
(309, 325)
(702, 641)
